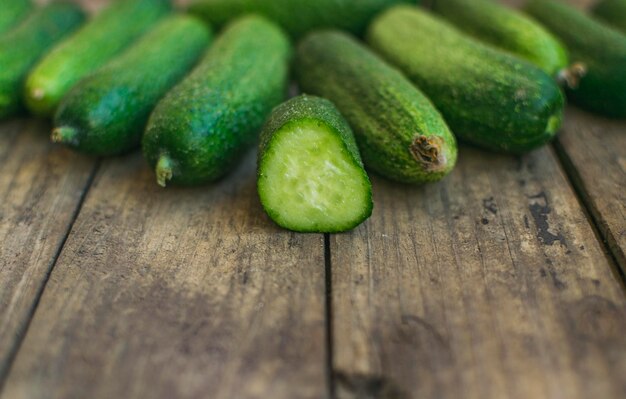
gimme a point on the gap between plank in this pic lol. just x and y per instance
(330, 372)
(5, 371)
(575, 182)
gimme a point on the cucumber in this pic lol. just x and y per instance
(400, 133)
(106, 113)
(201, 128)
(612, 12)
(297, 16)
(488, 97)
(310, 174)
(24, 45)
(106, 35)
(600, 48)
(13, 11)
(506, 29)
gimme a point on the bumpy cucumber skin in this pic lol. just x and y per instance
(105, 114)
(388, 114)
(13, 11)
(297, 16)
(506, 29)
(24, 45)
(600, 48)
(202, 127)
(612, 12)
(320, 111)
(489, 98)
(102, 38)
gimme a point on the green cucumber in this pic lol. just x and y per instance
(13, 11)
(599, 47)
(24, 45)
(310, 174)
(102, 38)
(612, 12)
(106, 113)
(200, 129)
(400, 133)
(297, 16)
(488, 97)
(506, 29)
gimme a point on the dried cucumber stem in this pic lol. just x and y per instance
(164, 170)
(571, 76)
(64, 135)
(427, 151)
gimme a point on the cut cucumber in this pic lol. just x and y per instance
(310, 174)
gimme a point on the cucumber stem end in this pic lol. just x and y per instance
(572, 75)
(428, 152)
(164, 171)
(64, 135)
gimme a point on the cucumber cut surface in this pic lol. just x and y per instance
(309, 181)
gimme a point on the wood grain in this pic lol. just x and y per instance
(488, 285)
(593, 150)
(177, 293)
(40, 190)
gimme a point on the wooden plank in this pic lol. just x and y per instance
(490, 284)
(41, 187)
(177, 293)
(594, 153)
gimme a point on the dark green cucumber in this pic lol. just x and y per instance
(488, 97)
(310, 174)
(13, 11)
(202, 127)
(612, 12)
(600, 48)
(24, 45)
(400, 133)
(506, 29)
(297, 16)
(106, 113)
(102, 38)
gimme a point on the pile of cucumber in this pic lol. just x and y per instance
(388, 86)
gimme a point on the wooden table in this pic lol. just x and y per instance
(506, 280)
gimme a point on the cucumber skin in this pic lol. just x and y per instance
(319, 110)
(13, 11)
(297, 16)
(24, 45)
(385, 110)
(97, 42)
(110, 108)
(612, 12)
(601, 48)
(489, 98)
(206, 122)
(506, 29)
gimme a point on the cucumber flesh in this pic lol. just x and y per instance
(309, 182)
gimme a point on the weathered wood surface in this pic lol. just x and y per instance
(178, 293)
(488, 285)
(593, 150)
(40, 191)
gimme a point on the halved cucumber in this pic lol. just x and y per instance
(310, 173)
